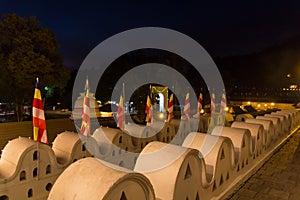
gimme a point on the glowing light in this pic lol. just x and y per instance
(266, 105)
(258, 105)
(249, 103)
(202, 111)
(227, 108)
(161, 116)
(272, 104)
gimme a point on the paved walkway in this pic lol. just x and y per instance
(279, 177)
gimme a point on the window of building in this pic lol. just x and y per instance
(4, 197)
(35, 172)
(35, 155)
(22, 176)
(48, 187)
(48, 169)
(29, 193)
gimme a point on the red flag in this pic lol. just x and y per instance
(213, 104)
(223, 104)
(200, 104)
(121, 114)
(38, 117)
(86, 121)
(170, 109)
(187, 106)
(148, 110)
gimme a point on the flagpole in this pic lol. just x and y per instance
(37, 160)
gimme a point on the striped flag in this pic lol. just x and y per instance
(86, 121)
(38, 117)
(187, 106)
(170, 109)
(223, 104)
(213, 104)
(200, 104)
(121, 114)
(148, 110)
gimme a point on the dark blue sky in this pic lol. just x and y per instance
(223, 28)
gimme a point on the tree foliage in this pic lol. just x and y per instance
(27, 51)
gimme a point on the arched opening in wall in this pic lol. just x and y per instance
(35, 155)
(135, 141)
(214, 186)
(167, 138)
(29, 193)
(22, 175)
(113, 153)
(126, 149)
(163, 140)
(83, 147)
(121, 164)
(48, 187)
(197, 196)
(35, 172)
(48, 169)
(123, 196)
(222, 155)
(160, 99)
(221, 180)
(120, 139)
(168, 129)
(188, 172)
(4, 197)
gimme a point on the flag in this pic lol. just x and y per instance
(187, 106)
(121, 114)
(200, 104)
(170, 109)
(221, 118)
(148, 108)
(38, 117)
(86, 121)
(223, 104)
(213, 104)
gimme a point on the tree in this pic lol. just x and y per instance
(27, 51)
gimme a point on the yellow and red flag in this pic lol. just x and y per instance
(38, 117)
(86, 121)
(223, 104)
(148, 109)
(187, 106)
(213, 104)
(200, 103)
(170, 109)
(121, 114)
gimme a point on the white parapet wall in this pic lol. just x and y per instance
(28, 169)
(257, 132)
(242, 142)
(269, 130)
(206, 166)
(93, 179)
(177, 173)
(218, 153)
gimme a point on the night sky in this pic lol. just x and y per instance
(222, 28)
